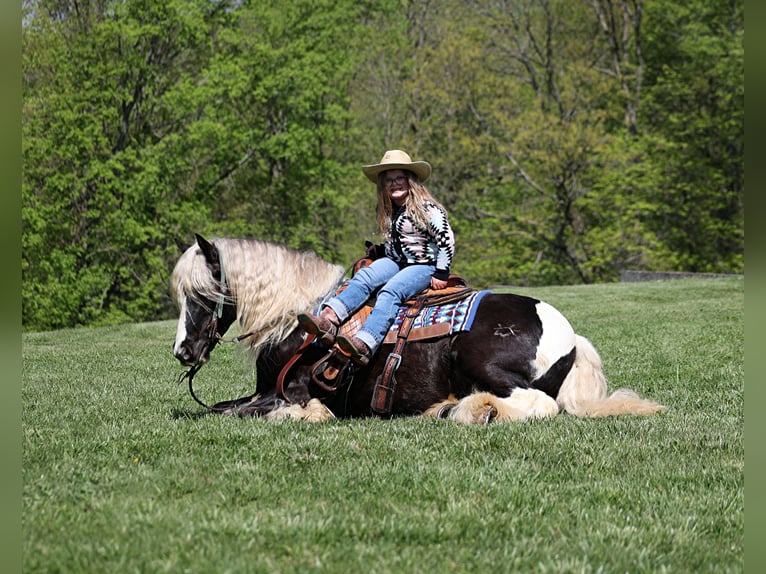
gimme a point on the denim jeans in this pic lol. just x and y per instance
(398, 286)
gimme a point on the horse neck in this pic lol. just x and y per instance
(272, 284)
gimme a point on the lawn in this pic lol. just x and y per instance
(123, 472)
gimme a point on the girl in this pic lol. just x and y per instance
(419, 249)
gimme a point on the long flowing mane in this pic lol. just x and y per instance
(269, 284)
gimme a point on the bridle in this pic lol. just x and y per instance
(213, 339)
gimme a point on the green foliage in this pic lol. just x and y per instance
(570, 140)
(696, 105)
(96, 201)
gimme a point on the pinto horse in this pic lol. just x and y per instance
(520, 359)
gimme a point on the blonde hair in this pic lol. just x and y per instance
(414, 204)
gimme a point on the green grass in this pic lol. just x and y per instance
(122, 473)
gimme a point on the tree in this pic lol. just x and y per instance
(98, 205)
(146, 122)
(695, 102)
(570, 140)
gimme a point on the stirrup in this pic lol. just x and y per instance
(310, 325)
(347, 348)
(329, 373)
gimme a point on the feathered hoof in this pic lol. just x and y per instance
(314, 411)
(479, 408)
(441, 410)
(487, 416)
(476, 409)
(484, 408)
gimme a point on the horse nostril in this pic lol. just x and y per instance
(183, 353)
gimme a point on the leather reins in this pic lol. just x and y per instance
(213, 338)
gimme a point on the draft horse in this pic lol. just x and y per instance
(520, 359)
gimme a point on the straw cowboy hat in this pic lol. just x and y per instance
(397, 159)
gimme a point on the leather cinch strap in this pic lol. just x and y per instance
(383, 395)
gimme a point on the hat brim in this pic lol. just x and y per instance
(420, 168)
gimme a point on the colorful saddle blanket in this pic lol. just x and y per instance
(440, 320)
(432, 322)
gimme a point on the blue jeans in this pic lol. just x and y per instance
(398, 286)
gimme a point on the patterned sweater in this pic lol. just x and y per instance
(407, 244)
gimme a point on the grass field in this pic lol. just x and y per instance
(122, 472)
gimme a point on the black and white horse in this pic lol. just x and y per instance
(520, 359)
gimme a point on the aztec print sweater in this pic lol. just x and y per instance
(407, 244)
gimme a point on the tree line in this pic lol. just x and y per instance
(570, 139)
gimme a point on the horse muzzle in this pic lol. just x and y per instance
(191, 353)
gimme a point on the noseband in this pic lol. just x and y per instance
(213, 338)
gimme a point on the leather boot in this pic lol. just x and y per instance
(322, 326)
(354, 348)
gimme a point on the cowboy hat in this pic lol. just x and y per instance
(397, 159)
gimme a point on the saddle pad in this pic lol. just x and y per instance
(440, 320)
(437, 321)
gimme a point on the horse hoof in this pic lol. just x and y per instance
(444, 411)
(487, 416)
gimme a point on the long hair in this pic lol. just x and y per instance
(269, 284)
(414, 204)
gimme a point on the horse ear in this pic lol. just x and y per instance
(208, 250)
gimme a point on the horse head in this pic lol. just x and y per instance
(204, 300)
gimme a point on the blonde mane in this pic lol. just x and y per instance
(269, 284)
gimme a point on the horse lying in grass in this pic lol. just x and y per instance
(519, 359)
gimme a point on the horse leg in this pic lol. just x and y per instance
(271, 407)
(314, 411)
(228, 407)
(483, 407)
(257, 406)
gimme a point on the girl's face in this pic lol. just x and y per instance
(397, 185)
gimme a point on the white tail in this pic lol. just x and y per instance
(584, 391)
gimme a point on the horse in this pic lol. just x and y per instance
(521, 358)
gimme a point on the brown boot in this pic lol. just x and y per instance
(323, 327)
(354, 348)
